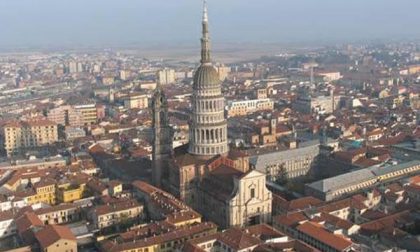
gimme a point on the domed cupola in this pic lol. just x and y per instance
(208, 125)
(206, 76)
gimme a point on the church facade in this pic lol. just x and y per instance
(205, 174)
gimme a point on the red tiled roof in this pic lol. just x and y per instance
(319, 233)
(175, 218)
(116, 207)
(263, 231)
(289, 219)
(6, 215)
(337, 222)
(293, 245)
(189, 247)
(385, 222)
(53, 233)
(238, 240)
(28, 220)
(415, 179)
(301, 203)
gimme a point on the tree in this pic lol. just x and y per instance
(282, 176)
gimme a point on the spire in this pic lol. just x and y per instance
(205, 39)
(205, 12)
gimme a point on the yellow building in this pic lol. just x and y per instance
(414, 69)
(114, 187)
(28, 134)
(136, 101)
(67, 193)
(44, 191)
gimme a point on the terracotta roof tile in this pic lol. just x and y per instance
(317, 232)
(53, 233)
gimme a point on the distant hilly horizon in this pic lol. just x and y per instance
(146, 23)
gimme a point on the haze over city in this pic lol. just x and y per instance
(73, 23)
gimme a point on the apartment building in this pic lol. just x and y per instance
(245, 107)
(60, 214)
(44, 191)
(66, 115)
(113, 213)
(70, 192)
(166, 76)
(89, 113)
(163, 242)
(19, 135)
(136, 101)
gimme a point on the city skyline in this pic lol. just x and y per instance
(151, 23)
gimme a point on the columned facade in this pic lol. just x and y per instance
(208, 125)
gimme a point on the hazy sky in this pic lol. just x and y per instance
(144, 22)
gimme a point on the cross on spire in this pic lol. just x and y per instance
(205, 12)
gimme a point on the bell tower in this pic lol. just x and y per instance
(162, 136)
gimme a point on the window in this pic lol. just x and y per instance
(252, 192)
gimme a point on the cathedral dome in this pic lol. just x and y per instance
(206, 76)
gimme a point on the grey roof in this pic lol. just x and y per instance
(342, 180)
(361, 175)
(381, 170)
(260, 161)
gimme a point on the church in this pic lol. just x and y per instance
(205, 174)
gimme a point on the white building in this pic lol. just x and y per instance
(7, 224)
(72, 67)
(244, 107)
(331, 76)
(166, 76)
(72, 133)
(5, 204)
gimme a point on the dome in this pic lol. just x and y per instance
(206, 76)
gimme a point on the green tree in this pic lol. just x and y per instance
(282, 176)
